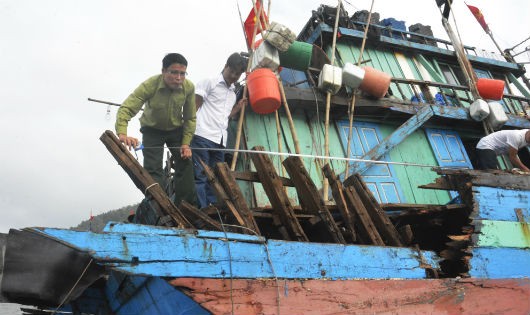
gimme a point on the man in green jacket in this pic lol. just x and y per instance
(168, 118)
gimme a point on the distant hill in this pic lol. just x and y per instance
(99, 221)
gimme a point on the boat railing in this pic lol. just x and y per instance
(389, 31)
(444, 94)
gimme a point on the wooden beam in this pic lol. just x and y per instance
(236, 196)
(141, 178)
(367, 232)
(309, 196)
(338, 195)
(491, 178)
(279, 200)
(385, 227)
(392, 140)
(222, 196)
(199, 218)
(253, 177)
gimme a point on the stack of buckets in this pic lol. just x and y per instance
(262, 84)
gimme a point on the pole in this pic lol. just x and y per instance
(352, 105)
(325, 183)
(242, 111)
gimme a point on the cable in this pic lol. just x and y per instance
(268, 256)
(338, 158)
(75, 285)
(229, 259)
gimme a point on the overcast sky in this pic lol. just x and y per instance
(55, 54)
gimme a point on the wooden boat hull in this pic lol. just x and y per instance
(436, 296)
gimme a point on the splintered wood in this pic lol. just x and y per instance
(355, 217)
(143, 180)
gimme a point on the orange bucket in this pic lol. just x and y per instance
(490, 89)
(263, 91)
(375, 82)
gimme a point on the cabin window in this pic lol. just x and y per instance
(379, 178)
(452, 74)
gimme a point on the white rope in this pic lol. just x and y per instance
(338, 158)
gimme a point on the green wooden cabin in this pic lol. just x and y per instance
(424, 114)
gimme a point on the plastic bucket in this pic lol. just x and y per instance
(375, 82)
(490, 89)
(263, 91)
(297, 57)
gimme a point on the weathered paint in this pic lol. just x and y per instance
(148, 296)
(187, 255)
(499, 263)
(395, 138)
(261, 130)
(435, 296)
(416, 149)
(500, 204)
(490, 233)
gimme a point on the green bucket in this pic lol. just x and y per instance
(297, 57)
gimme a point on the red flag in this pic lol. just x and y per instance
(480, 18)
(250, 22)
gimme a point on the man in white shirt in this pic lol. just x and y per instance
(502, 142)
(215, 99)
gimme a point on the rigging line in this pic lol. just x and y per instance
(229, 260)
(351, 106)
(338, 158)
(269, 259)
(518, 44)
(75, 285)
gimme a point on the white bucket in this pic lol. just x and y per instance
(266, 56)
(497, 117)
(352, 76)
(479, 110)
(330, 79)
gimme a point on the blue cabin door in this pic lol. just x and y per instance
(380, 178)
(448, 149)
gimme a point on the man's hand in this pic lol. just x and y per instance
(242, 102)
(185, 151)
(130, 142)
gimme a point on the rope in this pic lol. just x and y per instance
(229, 260)
(268, 259)
(351, 107)
(75, 285)
(338, 158)
(146, 189)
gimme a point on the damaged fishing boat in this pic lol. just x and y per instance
(358, 196)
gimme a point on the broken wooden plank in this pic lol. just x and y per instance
(221, 194)
(199, 218)
(309, 196)
(236, 196)
(141, 178)
(490, 178)
(275, 191)
(253, 177)
(422, 210)
(338, 196)
(386, 229)
(365, 228)
(400, 134)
